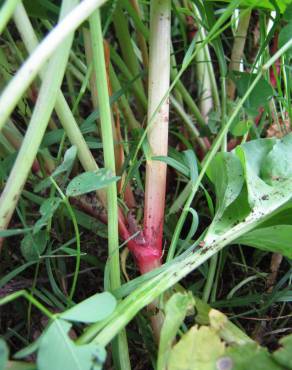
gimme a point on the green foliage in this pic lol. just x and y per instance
(283, 355)
(260, 95)
(198, 349)
(288, 13)
(244, 202)
(241, 128)
(211, 347)
(92, 309)
(267, 4)
(47, 210)
(285, 36)
(3, 354)
(33, 245)
(277, 165)
(56, 350)
(253, 186)
(274, 238)
(242, 357)
(227, 174)
(90, 181)
(63, 169)
(175, 312)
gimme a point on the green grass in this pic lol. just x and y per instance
(85, 87)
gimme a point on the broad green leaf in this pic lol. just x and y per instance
(175, 312)
(47, 210)
(3, 354)
(33, 245)
(35, 10)
(277, 165)
(288, 13)
(260, 94)
(65, 167)
(90, 181)
(57, 351)
(285, 35)
(226, 173)
(17, 365)
(246, 357)
(276, 238)
(198, 349)
(283, 355)
(241, 128)
(92, 309)
(258, 201)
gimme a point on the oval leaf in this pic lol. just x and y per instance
(57, 351)
(95, 308)
(90, 181)
(32, 246)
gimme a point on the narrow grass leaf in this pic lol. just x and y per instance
(180, 167)
(12, 274)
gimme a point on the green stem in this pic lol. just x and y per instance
(63, 110)
(34, 63)
(237, 49)
(23, 293)
(108, 144)
(41, 115)
(210, 278)
(168, 277)
(126, 45)
(6, 12)
(99, 68)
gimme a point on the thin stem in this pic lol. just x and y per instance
(63, 110)
(237, 49)
(6, 12)
(108, 144)
(34, 63)
(126, 44)
(23, 293)
(99, 68)
(41, 115)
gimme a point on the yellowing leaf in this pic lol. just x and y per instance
(197, 350)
